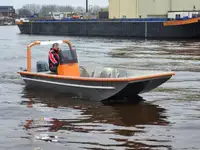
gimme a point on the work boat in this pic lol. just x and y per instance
(105, 84)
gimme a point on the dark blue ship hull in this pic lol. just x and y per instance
(118, 28)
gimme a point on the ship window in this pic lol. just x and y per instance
(68, 56)
(178, 16)
(194, 15)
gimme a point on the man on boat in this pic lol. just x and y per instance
(54, 58)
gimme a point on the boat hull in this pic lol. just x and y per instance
(95, 90)
(129, 29)
(138, 87)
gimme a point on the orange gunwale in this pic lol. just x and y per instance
(181, 22)
(101, 79)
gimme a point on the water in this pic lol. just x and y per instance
(168, 119)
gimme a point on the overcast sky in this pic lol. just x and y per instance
(19, 3)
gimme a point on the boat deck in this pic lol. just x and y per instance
(128, 74)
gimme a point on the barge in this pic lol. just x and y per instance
(150, 28)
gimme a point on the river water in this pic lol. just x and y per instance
(169, 118)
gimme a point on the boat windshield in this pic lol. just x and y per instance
(68, 56)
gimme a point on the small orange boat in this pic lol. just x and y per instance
(108, 83)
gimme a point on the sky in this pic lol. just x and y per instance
(19, 3)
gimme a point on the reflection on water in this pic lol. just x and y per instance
(109, 125)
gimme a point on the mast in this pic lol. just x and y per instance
(86, 6)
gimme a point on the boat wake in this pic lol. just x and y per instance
(12, 78)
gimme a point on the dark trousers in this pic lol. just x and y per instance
(53, 69)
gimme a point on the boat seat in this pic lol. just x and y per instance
(112, 73)
(83, 72)
(122, 74)
(105, 73)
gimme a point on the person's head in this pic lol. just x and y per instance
(55, 46)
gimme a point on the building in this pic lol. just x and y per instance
(7, 11)
(150, 8)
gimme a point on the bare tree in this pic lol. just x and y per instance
(65, 8)
(95, 9)
(46, 9)
(79, 9)
(23, 12)
(33, 8)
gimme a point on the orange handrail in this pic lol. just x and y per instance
(38, 43)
